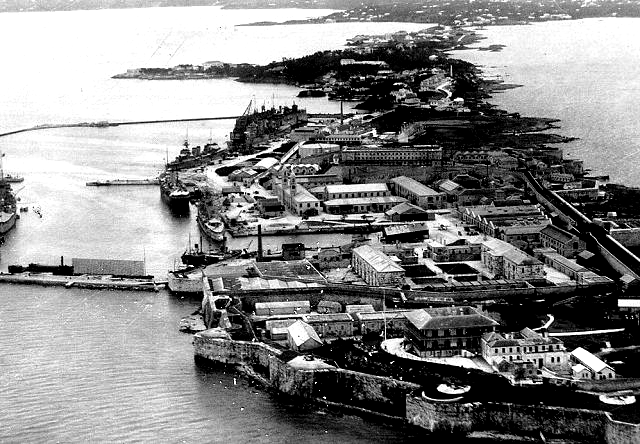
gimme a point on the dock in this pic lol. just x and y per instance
(123, 182)
(83, 281)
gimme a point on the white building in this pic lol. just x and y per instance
(376, 268)
(589, 366)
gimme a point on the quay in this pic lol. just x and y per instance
(83, 281)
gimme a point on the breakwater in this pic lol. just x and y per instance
(50, 280)
(361, 393)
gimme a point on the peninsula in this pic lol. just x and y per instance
(480, 291)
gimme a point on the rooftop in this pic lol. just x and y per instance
(357, 188)
(449, 317)
(365, 200)
(378, 260)
(589, 360)
(415, 186)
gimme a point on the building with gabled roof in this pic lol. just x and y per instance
(376, 268)
(447, 331)
(301, 336)
(564, 242)
(524, 346)
(588, 366)
(418, 193)
(407, 212)
(519, 265)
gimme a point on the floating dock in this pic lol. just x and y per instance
(123, 182)
(85, 281)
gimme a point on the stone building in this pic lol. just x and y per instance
(525, 346)
(376, 268)
(447, 331)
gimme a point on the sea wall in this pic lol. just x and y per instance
(518, 419)
(369, 394)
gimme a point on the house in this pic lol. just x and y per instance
(564, 242)
(447, 331)
(327, 325)
(588, 366)
(376, 268)
(277, 328)
(417, 193)
(524, 346)
(302, 337)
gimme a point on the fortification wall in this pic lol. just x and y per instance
(618, 432)
(376, 394)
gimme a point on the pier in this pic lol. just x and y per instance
(123, 182)
(83, 281)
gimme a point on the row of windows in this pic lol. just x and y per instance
(529, 349)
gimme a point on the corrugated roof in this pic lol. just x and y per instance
(377, 259)
(557, 233)
(414, 186)
(589, 360)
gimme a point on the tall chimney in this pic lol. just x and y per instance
(259, 243)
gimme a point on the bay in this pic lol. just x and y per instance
(108, 366)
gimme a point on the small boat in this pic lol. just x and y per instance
(213, 228)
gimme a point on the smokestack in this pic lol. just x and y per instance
(341, 113)
(62, 261)
(259, 243)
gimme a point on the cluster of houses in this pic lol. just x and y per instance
(431, 333)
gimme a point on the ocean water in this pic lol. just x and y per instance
(585, 73)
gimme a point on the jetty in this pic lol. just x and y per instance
(123, 182)
(83, 281)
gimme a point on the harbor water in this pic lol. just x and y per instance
(107, 366)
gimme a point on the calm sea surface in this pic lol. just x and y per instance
(86, 366)
(585, 73)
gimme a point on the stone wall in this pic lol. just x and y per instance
(517, 419)
(381, 395)
(618, 432)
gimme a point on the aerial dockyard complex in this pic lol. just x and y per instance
(425, 257)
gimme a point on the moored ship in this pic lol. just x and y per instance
(211, 227)
(195, 157)
(174, 193)
(8, 207)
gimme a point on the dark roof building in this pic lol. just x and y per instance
(447, 331)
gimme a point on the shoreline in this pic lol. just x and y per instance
(398, 402)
